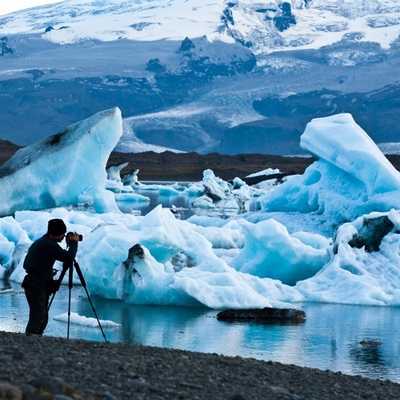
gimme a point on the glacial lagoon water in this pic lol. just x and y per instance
(355, 340)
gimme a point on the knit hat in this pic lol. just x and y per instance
(56, 227)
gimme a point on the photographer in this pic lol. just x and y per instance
(39, 262)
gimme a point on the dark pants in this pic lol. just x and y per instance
(37, 295)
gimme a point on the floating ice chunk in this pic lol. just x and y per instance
(85, 321)
(203, 202)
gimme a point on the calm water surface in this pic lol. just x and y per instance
(356, 340)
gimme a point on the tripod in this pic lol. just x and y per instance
(70, 268)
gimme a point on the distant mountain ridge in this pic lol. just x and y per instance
(223, 76)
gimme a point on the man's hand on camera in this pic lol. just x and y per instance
(74, 236)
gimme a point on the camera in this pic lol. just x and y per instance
(68, 237)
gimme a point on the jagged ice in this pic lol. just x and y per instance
(295, 249)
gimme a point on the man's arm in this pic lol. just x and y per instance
(67, 256)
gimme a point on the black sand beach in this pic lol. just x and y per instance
(55, 368)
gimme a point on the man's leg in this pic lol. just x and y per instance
(45, 313)
(37, 299)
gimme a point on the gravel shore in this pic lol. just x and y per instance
(55, 368)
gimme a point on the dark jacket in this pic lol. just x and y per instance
(42, 255)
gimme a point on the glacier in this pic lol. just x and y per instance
(316, 23)
(278, 256)
(240, 76)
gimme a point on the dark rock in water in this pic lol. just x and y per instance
(372, 233)
(267, 314)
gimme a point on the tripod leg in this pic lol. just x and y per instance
(60, 279)
(51, 301)
(83, 282)
(70, 284)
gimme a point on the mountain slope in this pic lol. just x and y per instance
(231, 77)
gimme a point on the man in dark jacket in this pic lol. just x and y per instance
(38, 264)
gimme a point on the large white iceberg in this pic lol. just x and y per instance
(63, 169)
(351, 177)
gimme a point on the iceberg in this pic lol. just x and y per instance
(63, 169)
(351, 177)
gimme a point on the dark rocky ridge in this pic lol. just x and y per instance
(169, 166)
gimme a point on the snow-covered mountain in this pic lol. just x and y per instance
(227, 76)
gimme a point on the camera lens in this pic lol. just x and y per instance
(69, 234)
